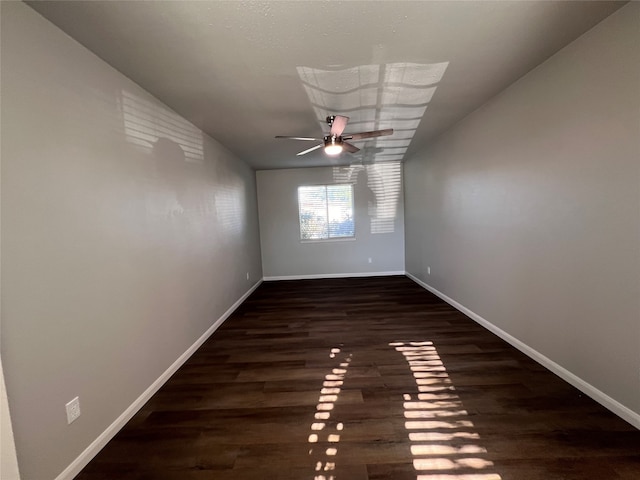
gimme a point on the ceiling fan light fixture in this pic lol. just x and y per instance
(334, 142)
(333, 149)
(332, 145)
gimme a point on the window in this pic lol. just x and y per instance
(326, 211)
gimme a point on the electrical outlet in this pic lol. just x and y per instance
(428, 270)
(247, 275)
(370, 260)
(73, 409)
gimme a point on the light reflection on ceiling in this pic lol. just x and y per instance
(375, 97)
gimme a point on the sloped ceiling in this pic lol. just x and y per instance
(246, 71)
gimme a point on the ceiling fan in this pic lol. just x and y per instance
(335, 142)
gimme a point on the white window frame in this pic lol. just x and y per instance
(328, 238)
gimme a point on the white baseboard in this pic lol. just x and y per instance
(602, 398)
(92, 450)
(332, 275)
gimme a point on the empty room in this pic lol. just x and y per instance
(320, 240)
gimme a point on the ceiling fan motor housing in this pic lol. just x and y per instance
(332, 140)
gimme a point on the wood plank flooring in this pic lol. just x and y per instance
(365, 379)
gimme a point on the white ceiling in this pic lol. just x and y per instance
(245, 71)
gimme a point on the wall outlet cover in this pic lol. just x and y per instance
(73, 410)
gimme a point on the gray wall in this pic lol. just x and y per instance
(528, 211)
(126, 233)
(379, 222)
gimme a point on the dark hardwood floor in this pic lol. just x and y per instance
(365, 378)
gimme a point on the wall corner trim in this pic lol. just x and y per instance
(94, 448)
(332, 275)
(602, 398)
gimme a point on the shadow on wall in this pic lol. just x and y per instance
(170, 167)
(192, 202)
(145, 122)
(384, 185)
(189, 187)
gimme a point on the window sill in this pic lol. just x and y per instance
(329, 240)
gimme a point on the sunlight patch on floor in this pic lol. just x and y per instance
(444, 444)
(325, 433)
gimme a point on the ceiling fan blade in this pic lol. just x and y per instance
(372, 134)
(338, 125)
(310, 149)
(350, 148)
(298, 138)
